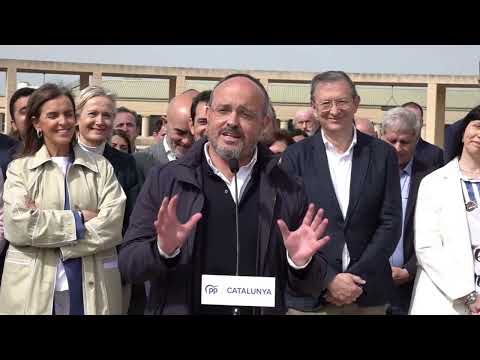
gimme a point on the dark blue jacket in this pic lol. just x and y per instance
(451, 134)
(402, 294)
(125, 170)
(428, 154)
(281, 196)
(372, 226)
(8, 146)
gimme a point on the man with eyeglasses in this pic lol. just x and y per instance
(182, 229)
(355, 178)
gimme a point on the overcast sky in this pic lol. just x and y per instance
(417, 59)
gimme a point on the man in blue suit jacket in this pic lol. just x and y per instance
(7, 147)
(355, 179)
(401, 129)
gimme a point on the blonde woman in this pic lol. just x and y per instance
(63, 216)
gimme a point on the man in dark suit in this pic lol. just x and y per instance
(401, 129)
(355, 179)
(10, 145)
(7, 144)
(451, 133)
(18, 111)
(429, 154)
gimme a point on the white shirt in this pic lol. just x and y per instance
(170, 153)
(244, 175)
(61, 282)
(340, 166)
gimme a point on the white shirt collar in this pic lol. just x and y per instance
(170, 153)
(246, 169)
(96, 149)
(330, 146)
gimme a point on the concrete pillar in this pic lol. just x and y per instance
(145, 126)
(11, 87)
(84, 80)
(97, 78)
(172, 87)
(435, 119)
(284, 124)
(180, 85)
(176, 86)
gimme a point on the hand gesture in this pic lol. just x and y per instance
(171, 234)
(304, 242)
(89, 215)
(344, 289)
(399, 275)
(29, 203)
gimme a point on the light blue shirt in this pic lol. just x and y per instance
(397, 259)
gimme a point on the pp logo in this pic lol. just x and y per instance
(211, 289)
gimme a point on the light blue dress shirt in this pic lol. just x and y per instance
(397, 259)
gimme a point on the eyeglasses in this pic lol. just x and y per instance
(326, 105)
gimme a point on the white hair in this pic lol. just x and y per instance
(402, 120)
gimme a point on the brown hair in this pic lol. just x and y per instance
(124, 136)
(45, 93)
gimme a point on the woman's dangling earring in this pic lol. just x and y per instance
(39, 133)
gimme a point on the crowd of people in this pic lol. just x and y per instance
(346, 218)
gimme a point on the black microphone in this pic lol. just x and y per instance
(234, 166)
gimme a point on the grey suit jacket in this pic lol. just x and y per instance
(158, 152)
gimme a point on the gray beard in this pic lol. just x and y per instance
(226, 154)
(178, 154)
(313, 131)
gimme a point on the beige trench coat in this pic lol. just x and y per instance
(40, 237)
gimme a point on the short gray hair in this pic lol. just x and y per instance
(91, 92)
(402, 120)
(329, 77)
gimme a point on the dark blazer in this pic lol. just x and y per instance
(451, 133)
(429, 154)
(403, 293)
(145, 161)
(372, 226)
(281, 196)
(8, 146)
(125, 170)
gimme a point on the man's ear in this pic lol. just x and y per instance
(356, 102)
(190, 125)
